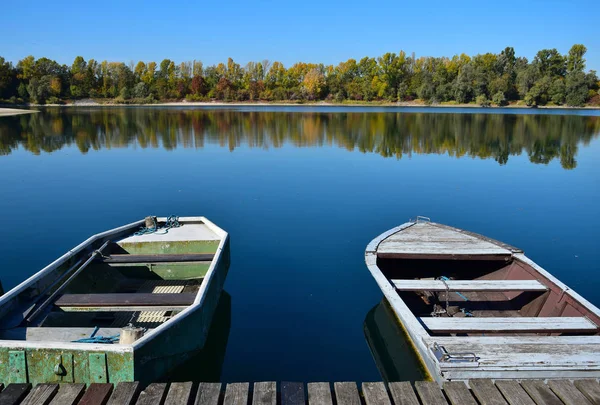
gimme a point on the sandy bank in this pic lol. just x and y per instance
(14, 111)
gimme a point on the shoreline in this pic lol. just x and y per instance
(4, 111)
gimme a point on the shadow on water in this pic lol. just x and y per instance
(389, 134)
(207, 364)
(389, 345)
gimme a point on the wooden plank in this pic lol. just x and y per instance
(514, 393)
(502, 325)
(14, 393)
(42, 394)
(469, 285)
(161, 258)
(68, 394)
(180, 393)
(590, 388)
(319, 393)
(567, 392)
(154, 394)
(125, 299)
(265, 393)
(403, 393)
(486, 392)
(125, 393)
(458, 393)
(208, 394)
(292, 393)
(346, 393)
(430, 393)
(96, 394)
(236, 394)
(375, 393)
(540, 393)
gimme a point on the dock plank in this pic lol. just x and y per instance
(265, 393)
(375, 393)
(236, 394)
(458, 393)
(180, 393)
(540, 393)
(403, 393)
(486, 392)
(510, 324)
(346, 393)
(430, 393)
(208, 394)
(590, 388)
(292, 393)
(154, 394)
(514, 393)
(469, 285)
(319, 393)
(42, 394)
(124, 394)
(14, 393)
(96, 394)
(567, 392)
(68, 394)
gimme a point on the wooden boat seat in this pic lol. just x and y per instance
(166, 258)
(502, 325)
(125, 302)
(469, 285)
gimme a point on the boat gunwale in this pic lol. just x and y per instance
(116, 348)
(423, 340)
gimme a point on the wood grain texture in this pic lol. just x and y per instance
(514, 393)
(430, 393)
(14, 393)
(403, 393)
(236, 394)
(590, 388)
(68, 394)
(540, 393)
(346, 393)
(125, 393)
(319, 393)
(42, 394)
(530, 325)
(292, 393)
(96, 394)
(180, 393)
(458, 393)
(208, 394)
(265, 393)
(154, 394)
(486, 392)
(375, 393)
(567, 392)
(469, 285)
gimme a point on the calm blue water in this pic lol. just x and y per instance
(301, 192)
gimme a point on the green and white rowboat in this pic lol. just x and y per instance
(122, 306)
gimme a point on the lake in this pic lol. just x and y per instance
(302, 190)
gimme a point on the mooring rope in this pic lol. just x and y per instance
(171, 222)
(98, 339)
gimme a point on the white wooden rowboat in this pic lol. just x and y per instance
(478, 308)
(122, 306)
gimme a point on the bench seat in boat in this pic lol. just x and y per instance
(161, 258)
(511, 324)
(469, 285)
(125, 302)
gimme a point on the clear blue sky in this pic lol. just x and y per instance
(308, 31)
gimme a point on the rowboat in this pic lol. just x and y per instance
(475, 307)
(128, 304)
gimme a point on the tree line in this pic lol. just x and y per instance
(549, 79)
(542, 137)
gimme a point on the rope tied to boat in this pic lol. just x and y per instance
(98, 339)
(152, 226)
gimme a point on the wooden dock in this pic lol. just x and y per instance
(484, 392)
